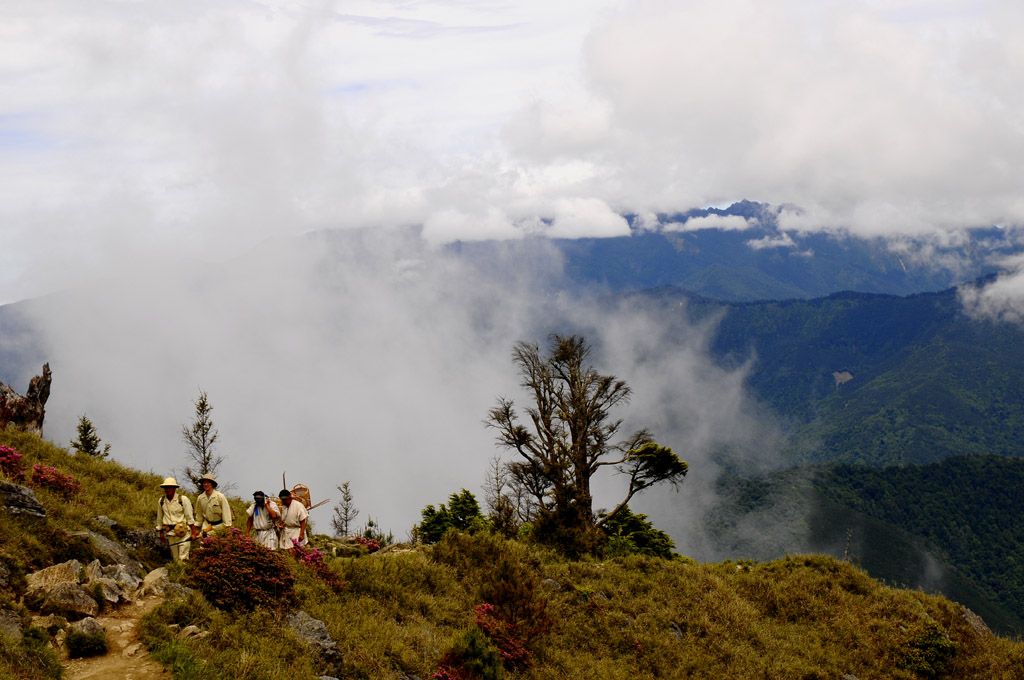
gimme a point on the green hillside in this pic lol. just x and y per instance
(954, 527)
(420, 610)
(927, 381)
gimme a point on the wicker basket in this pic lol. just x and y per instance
(300, 492)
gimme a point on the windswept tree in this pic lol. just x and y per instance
(89, 441)
(570, 434)
(199, 437)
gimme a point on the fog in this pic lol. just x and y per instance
(369, 357)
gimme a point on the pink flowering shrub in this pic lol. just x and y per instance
(235, 573)
(51, 478)
(371, 544)
(313, 559)
(505, 636)
(11, 465)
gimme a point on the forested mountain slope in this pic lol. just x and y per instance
(925, 380)
(955, 526)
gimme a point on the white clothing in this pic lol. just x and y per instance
(263, 531)
(293, 516)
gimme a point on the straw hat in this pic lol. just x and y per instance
(208, 478)
(170, 482)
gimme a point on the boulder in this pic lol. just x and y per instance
(26, 413)
(156, 582)
(69, 600)
(314, 632)
(21, 501)
(108, 590)
(110, 551)
(105, 521)
(123, 576)
(10, 624)
(88, 625)
(66, 572)
(116, 583)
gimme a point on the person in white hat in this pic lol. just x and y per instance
(175, 521)
(212, 509)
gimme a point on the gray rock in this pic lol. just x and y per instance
(21, 501)
(10, 624)
(156, 582)
(51, 624)
(551, 584)
(314, 631)
(69, 600)
(148, 539)
(123, 576)
(108, 590)
(133, 650)
(105, 521)
(110, 551)
(66, 572)
(93, 571)
(88, 625)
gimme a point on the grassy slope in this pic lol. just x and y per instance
(799, 617)
(951, 526)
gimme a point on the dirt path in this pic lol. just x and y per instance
(126, 658)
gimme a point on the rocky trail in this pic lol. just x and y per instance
(126, 657)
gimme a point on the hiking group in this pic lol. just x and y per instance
(270, 526)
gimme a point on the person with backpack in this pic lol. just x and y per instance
(293, 516)
(175, 520)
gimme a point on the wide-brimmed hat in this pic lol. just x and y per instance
(208, 478)
(170, 482)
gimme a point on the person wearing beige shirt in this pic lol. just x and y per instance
(212, 509)
(175, 520)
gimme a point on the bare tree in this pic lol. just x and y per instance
(345, 512)
(199, 437)
(570, 434)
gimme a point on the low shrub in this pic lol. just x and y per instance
(371, 544)
(31, 659)
(81, 645)
(472, 657)
(314, 560)
(234, 572)
(46, 477)
(11, 464)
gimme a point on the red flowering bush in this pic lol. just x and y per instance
(505, 636)
(313, 559)
(11, 465)
(472, 657)
(51, 478)
(235, 573)
(371, 544)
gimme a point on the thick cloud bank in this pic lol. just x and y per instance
(144, 135)
(366, 357)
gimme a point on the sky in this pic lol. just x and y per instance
(136, 135)
(162, 166)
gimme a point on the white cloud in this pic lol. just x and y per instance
(586, 217)
(155, 134)
(772, 241)
(1001, 300)
(723, 222)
